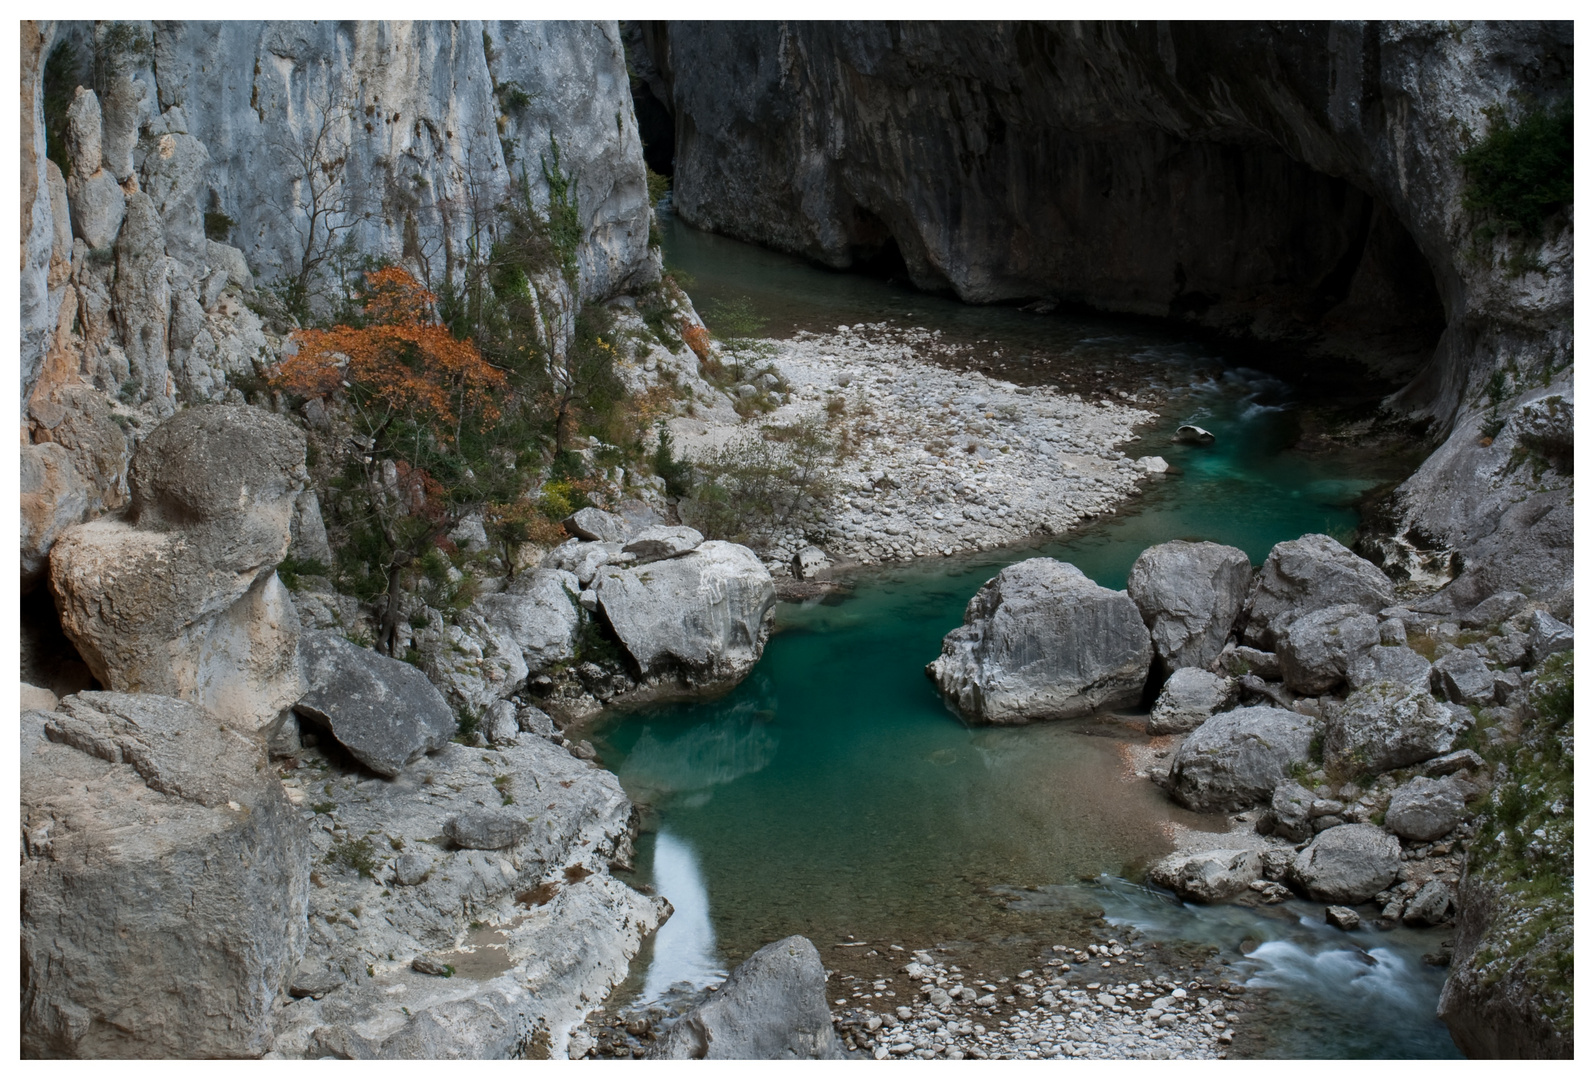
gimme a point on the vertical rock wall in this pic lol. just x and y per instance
(1290, 182)
(208, 162)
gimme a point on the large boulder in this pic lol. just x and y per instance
(180, 597)
(1389, 663)
(1317, 649)
(383, 711)
(1422, 809)
(1347, 864)
(697, 622)
(164, 882)
(1041, 641)
(1189, 595)
(1463, 677)
(1547, 636)
(772, 1007)
(1237, 758)
(538, 611)
(1208, 876)
(1305, 575)
(590, 523)
(1188, 699)
(1387, 726)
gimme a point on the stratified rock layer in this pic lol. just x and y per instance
(164, 882)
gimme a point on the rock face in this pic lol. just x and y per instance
(1347, 864)
(698, 621)
(181, 597)
(1188, 699)
(1316, 650)
(1041, 641)
(973, 157)
(445, 116)
(537, 610)
(1389, 663)
(1509, 993)
(1237, 758)
(1386, 726)
(535, 930)
(382, 710)
(1189, 594)
(164, 882)
(1307, 575)
(1209, 876)
(772, 1007)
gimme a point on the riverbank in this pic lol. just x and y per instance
(936, 460)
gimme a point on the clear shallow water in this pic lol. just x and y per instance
(832, 793)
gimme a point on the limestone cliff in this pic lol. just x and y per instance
(207, 167)
(1291, 182)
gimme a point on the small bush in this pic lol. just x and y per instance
(677, 475)
(357, 855)
(218, 226)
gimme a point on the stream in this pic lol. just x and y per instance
(833, 795)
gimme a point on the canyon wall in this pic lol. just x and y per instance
(1284, 182)
(205, 166)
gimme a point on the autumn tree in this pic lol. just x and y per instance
(416, 398)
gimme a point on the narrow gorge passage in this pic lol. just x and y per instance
(832, 794)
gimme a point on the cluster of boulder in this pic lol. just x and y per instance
(257, 836)
(1300, 697)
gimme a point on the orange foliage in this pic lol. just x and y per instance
(404, 360)
(696, 337)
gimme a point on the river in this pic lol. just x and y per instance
(832, 794)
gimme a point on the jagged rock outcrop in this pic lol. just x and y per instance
(423, 947)
(164, 882)
(181, 597)
(1041, 641)
(772, 1007)
(1295, 181)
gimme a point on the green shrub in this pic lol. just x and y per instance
(218, 226)
(1521, 173)
(677, 475)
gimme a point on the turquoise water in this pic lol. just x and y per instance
(833, 794)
